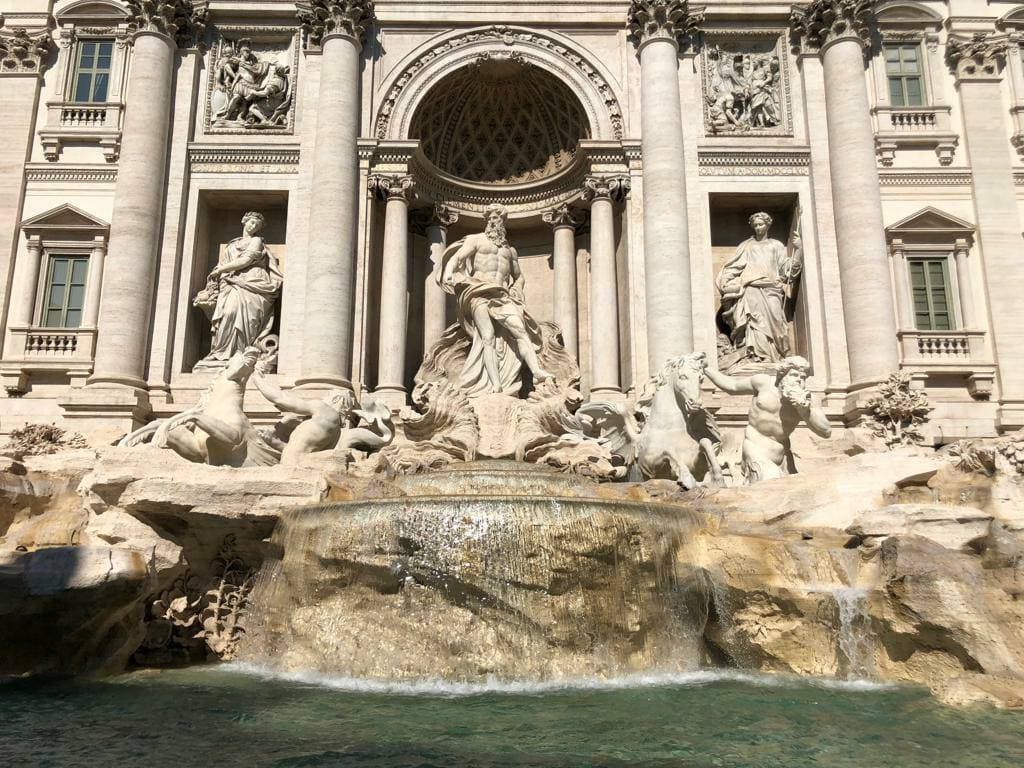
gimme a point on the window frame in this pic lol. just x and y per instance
(902, 77)
(44, 307)
(948, 288)
(93, 71)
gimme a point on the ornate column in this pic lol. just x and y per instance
(901, 274)
(394, 287)
(124, 318)
(563, 222)
(435, 300)
(604, 286)
(965, 286)
(94, 287)
(26, 283)
(338, 27)
(656, 28)
(978, 64)
(839, 31)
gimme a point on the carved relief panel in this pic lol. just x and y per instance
(746, 84)
(252, 80)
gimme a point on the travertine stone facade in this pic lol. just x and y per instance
(629, 142)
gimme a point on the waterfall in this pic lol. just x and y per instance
(854, 632)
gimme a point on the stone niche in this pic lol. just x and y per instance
(218, 222)
(251, 81)
(746, 84)
(730, 215)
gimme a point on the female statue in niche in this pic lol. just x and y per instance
(240, 294)
(754, 286)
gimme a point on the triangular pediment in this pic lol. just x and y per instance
(931, 220)
(65, 217)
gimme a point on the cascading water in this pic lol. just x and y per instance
(854, 631)
(489, 571)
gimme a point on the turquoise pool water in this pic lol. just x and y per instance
(241, 717)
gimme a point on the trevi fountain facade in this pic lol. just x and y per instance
(535, 341)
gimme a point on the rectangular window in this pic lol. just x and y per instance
(65, 291)
(92, 70)
(929, 286)
(903, 68)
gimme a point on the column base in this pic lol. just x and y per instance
(323, 380)
(393, 397)
(607, 395)
(106, 413)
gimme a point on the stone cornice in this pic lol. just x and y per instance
(672, 20)
(183, 21)
(978, 58)
(821, 22)
(321, 18)
(385, 187)
(22, 53)
(605, 188)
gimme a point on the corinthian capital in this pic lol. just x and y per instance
(979, 58)
(825, 21)
(671, 20)
(184, 21)
(605, 188)
(22, 52)
(320, 18)
(392, 187)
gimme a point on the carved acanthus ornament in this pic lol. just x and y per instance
(320, 18)
(671, 20)
(562, 216)
(22, 52)
(826, 21)
(614, 188)
(392, 187)
(183, 21)
(439, 215)
(981, 57)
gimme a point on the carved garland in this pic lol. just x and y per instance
(508, 36)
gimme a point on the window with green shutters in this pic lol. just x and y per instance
(65, 291)
(92, 70)
(903, 68)
(929, 285)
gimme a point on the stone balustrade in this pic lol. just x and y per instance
(82, 123)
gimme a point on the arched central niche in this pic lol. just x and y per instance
(500, 121)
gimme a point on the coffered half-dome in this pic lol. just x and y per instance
(500, 121)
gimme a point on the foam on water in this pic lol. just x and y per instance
(445, 688)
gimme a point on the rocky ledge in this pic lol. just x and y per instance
(897, 566)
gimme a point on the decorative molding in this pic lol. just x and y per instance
(184, 21)
(671, 20)
(922, 178)
(509, 37)
(727, 162)
(275, 113)
(22, 53)
(822, 22)
(227, 159)
(979, 58)
(732, 110)
(63, 174)
(322, 18)
(613, 188)
(384, 187)
(562, 216)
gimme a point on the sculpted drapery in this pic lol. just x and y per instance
(240, 293)
(754, 285)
